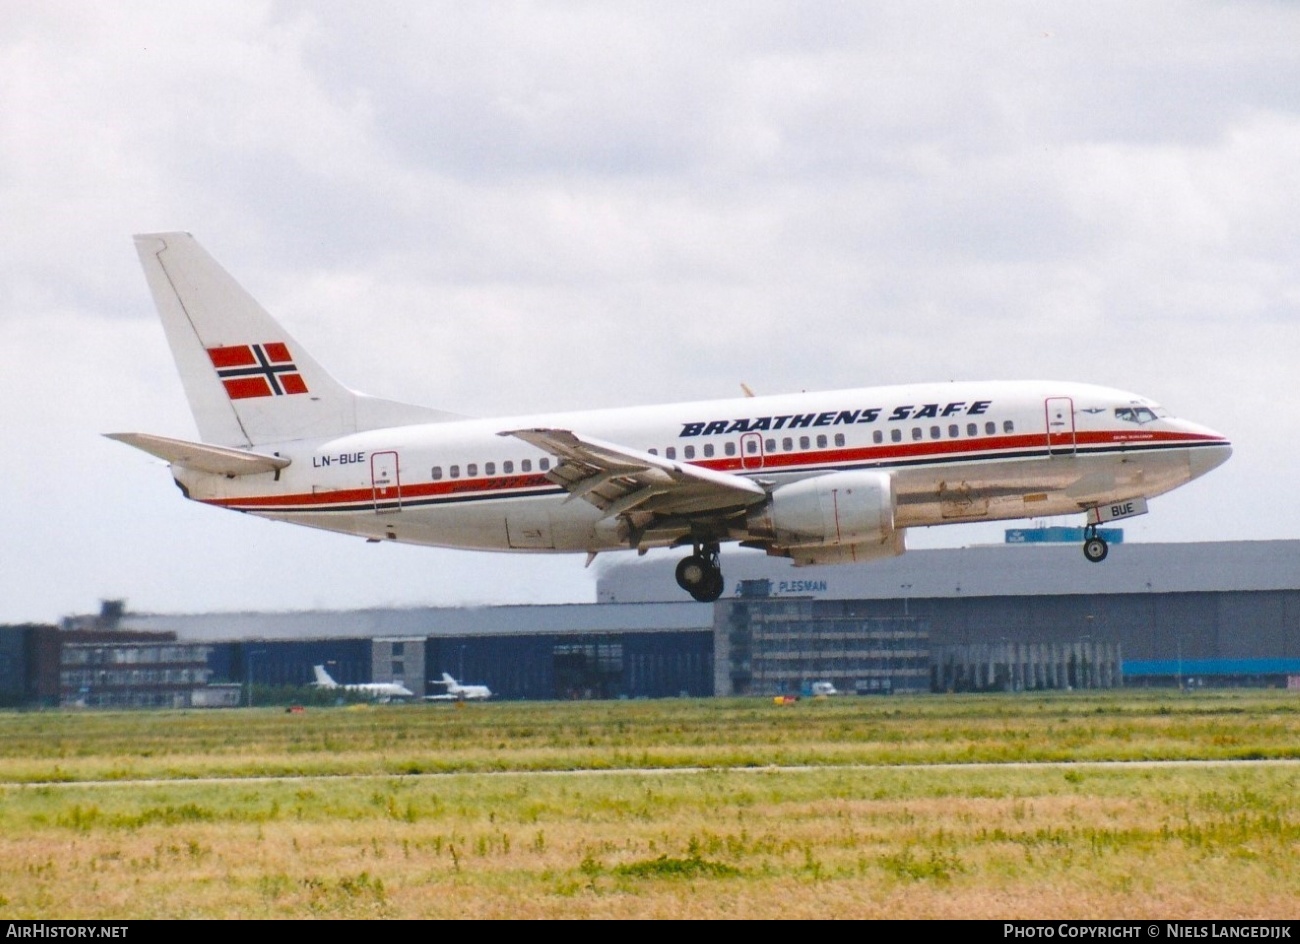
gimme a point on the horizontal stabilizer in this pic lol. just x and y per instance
(218, 460)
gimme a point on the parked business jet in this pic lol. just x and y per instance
(380, 691)
(458, 692)
(819, 478)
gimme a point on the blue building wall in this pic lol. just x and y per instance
(577, 665)
(290, 662)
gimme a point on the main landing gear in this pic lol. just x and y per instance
(700, 574)
(1094, 548)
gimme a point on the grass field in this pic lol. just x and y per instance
(937, 806)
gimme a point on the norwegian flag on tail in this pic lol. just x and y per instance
(257, 370)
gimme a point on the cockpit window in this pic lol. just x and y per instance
(1135, 414)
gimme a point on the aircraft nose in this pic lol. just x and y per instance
(1209, 454)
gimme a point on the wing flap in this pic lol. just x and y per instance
(219, 460)
(617, 479)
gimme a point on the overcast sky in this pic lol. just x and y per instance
(506, 207)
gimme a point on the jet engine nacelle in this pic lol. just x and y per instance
(839, 510)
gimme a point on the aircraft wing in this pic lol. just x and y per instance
(618, 480)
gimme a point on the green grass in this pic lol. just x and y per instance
(839, 808)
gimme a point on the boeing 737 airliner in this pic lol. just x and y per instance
(819, 478)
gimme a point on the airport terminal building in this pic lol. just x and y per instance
(1003, 617)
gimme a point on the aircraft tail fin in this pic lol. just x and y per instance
(248, 382)
(323, 678)
(450, 682)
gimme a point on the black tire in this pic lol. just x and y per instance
(712, 588)
(1095, 549)
(693, 573)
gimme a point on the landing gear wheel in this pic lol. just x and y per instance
(700, 576)
(713, 589)
(1095, 548)
(692, 572)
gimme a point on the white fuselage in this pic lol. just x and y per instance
(955, 452)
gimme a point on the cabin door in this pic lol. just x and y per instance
(1060, 426)
(385, 483)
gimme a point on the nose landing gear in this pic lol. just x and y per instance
(1095, 548)
(700, 575)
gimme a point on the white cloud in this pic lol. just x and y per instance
(501, 207)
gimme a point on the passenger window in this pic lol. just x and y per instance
(972, 429)
(751, 446)
(770, 445)
(877, 436)
(990, 428)
(544, 464)
(787, 443)
(896, 434)
(804, 442)
(653, 451)
(490, 468)
(508, 467)
(471, 470)
(690, 452)
(729, 448)
(935, 432)
(455, 471)
(839, 439)
(437, 472)
(1008, 427)
(708, 450)
(526, 465)
(821, 442)
(954, 431)
(670, 452)
(916, 433)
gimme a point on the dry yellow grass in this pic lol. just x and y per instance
(999, 841)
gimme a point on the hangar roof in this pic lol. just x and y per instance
(990, 570)
(421, 622)
(648, 583)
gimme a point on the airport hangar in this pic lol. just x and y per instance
(1009, 616)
